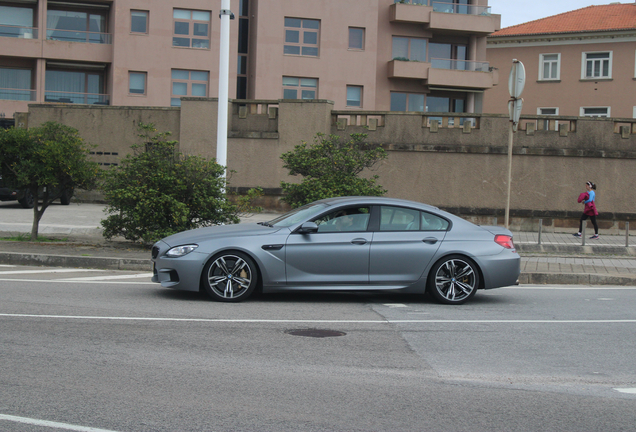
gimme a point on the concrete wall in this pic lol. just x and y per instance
(456, 163)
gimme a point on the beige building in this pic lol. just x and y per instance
(410, 55)
(579, 63)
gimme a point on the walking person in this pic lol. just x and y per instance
(588, 199)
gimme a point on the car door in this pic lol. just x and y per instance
(404, 244)
(337, 254)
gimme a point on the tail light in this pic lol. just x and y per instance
(505, 241)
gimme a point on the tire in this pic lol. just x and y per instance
(453, 280)
(27, 200)
(65, 198)
(229, 277)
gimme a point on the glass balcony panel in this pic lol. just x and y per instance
(77, 98)
(17, 94)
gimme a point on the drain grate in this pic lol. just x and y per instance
(316, 333)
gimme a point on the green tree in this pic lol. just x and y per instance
(157, 191)
(331, 168)
(48, 161)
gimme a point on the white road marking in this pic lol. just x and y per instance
(395, 305)
(51, 424)
(79, 281)
(53, 270)
(6, 265)
(566, 287)
(626, 390)
(100, 278)
(319, 321)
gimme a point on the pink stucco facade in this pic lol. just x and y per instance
(121, 65)
(563, 88)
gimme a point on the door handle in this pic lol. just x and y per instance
(430, 240)
(359, 241)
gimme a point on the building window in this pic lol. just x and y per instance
(549, 68)
(137, 83)
(413, 49)
(15, 84)
(595, 111)
(301, 37)
(546, 123)
(188, 83)
(75, 86)
(138, 21)
(77, 26)
(16, 21)
(407, 102)
(300, 88)
(354, 96)
(597, 65)
(191, 29)
(356, 38)
(448, 56)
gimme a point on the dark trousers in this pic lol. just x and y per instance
(592, 218)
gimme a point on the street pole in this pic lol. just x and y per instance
(516, 82)
(510, 136)
(224, 71)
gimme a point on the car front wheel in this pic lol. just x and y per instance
(229, 277)
(453, 280)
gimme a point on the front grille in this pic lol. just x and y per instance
(155, 252)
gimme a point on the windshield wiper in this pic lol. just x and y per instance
(265, 224)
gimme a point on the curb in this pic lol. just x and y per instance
(575, 249)
(108, 263)
(105, 263)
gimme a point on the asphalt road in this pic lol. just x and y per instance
(93, 350)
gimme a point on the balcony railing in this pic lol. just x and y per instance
(464, 65)
(18, 32)
(77, 98)
(446, 7)
(17, 94)
(78, 36)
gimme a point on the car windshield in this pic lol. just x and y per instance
(297, 215)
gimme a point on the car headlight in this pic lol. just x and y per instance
(180, 251)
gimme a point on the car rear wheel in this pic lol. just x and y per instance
(229, 277)
(27, 200)
(453, 280)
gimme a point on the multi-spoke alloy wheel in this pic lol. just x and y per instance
(453, 280)
(229, 277)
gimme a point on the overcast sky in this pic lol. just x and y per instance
(515, 12)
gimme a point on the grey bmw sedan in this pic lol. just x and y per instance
(342, 244)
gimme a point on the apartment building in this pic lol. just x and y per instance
(578, 63)
(398, 55)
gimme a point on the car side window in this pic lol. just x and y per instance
(431, 222)
(344, 220)
(399, 219)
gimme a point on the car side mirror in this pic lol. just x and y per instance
(308, 228)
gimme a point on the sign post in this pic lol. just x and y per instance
(516, 82)
(224, 70)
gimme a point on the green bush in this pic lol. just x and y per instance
(157, 191)
(331, 168)
(48, 161)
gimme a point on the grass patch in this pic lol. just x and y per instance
(27, 238)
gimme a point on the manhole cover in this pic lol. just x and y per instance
(317, 333)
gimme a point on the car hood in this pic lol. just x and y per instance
(206, 233)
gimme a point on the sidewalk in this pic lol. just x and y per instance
(559, 259)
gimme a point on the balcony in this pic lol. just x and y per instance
(17, 94)
(445, 73)
(76, 98)
(18, 32)
(446, 17)
(408, 69)
(78, 36)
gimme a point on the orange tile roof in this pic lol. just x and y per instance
(589, 19)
